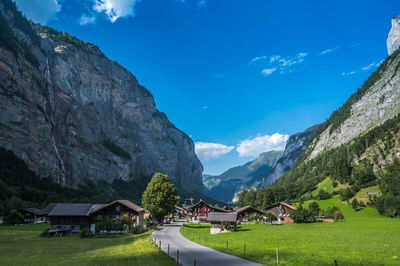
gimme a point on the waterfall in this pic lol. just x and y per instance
(49, 85)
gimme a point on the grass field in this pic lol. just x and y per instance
(363, 238)
(21, 245)
(327, 185)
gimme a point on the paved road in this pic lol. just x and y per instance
(188, 250)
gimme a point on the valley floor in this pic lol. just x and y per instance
(22, 245)
(363, 238)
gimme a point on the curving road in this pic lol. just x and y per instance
(190, 251)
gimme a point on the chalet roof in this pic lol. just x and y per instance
(180, 208)
(49, 207)
(248, 208)
(34, 211)
(201, 201)
(71, 209)
(222, 217)
(211, 207)
(126, 203)
(282, 203)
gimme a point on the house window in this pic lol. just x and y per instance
(99, 217)
(117, 208)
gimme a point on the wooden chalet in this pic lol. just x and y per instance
(68, 218)
(247, 211)
(33, 215)
(218, 218)
(115, 211)
(282, 210)
(200, 211)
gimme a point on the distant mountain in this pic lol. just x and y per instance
(224, 186)
(295, 145)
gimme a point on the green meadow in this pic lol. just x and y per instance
(363, 238)
(22, 245)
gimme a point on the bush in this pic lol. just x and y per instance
(302, 215)
(271, 217)
(314, 208)
(323, 195)
(14, 217)
(388, 205)
(85, 232)
(333, 213)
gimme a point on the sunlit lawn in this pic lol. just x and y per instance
(363, 238)
(20, 246)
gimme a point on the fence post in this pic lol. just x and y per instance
(277, 256)
(206, 238)
(194, 262)
(214, 242)
(199, 237)
(227, 244)
(168, 249)
(177, 256)
(160, 246)
(335, 263)
(244, 250)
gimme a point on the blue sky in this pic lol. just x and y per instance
(237, 76)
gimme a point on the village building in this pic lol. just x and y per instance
(180, 212)
(246, 213)
(68, 218)
(282, 210)
(222, 222)
(33, 215)
(200, 211)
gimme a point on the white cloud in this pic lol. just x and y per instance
(274, 58)
(258, 59)
(84, 19)
(268, 71)
(261, 143)
(348, 73)
(328, 51)
(273, 63)
(116, 9)
(372, 65)
(39, 10)
(209, 151)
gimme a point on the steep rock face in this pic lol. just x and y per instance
(224, 186)
(393, 40)
(380, 102)
(71, 113)
(295, 145)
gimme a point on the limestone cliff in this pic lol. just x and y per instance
(72, 113)
(393, 40)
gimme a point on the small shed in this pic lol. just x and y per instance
(222, 222)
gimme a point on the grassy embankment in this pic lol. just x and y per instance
(363, 238)
(22, 245)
